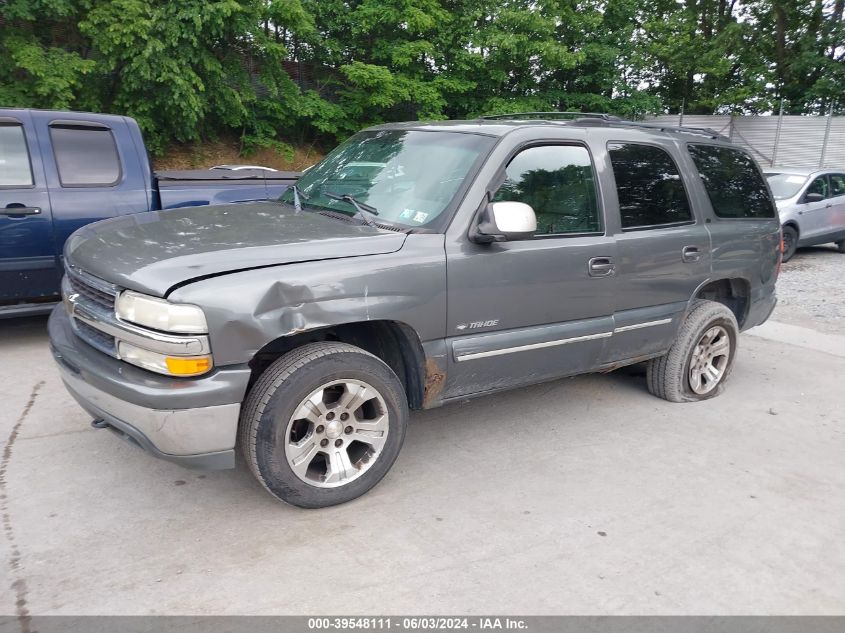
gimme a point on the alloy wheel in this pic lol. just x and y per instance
(709, 360)
(336, 433)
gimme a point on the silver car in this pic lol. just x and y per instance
(811, 204)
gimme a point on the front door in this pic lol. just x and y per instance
(28, 271)
(836, 213)
(524, 311)
(815, 216)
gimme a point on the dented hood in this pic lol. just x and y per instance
(153, 252)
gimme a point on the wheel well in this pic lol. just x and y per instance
(734, 293)
(397, 344)
(794, 225)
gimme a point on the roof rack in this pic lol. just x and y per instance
(549, 116)
(598, 119)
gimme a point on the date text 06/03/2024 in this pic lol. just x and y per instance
(417, 623)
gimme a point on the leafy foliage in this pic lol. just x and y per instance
(301, 70)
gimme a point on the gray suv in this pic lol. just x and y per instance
(417, 264)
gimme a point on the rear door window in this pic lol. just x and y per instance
(733, 182)
(837, 185)
(86, 156)
(15, 168)
(649, 185)
(559, 184)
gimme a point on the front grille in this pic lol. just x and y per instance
(90, 301)
(89, 291)
(95, 338)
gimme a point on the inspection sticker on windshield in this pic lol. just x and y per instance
(415, 216)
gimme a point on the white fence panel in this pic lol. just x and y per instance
(800, 142)
(834, 155)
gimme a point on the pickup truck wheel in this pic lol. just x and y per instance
(323, 424)
(841, 246)
(700, 359)
(790, 242)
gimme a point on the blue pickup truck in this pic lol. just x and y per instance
(62, 170)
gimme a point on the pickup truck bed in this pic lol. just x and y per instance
(191, 188)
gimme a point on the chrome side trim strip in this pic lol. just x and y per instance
(639, 326)
(523, 348)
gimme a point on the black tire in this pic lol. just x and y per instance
(841, 246)
(271, 403)
(668, 375)
(790, 242)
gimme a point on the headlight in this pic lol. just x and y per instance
(160, 314)
(162, 364)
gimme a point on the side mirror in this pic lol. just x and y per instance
(813, 197)
(504, 222)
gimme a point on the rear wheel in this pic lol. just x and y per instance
(841, 246)
(323, 424)
(701, 358)
(790, 242)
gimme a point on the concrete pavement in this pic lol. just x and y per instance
(585, 495)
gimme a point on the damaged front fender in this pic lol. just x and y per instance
(248, 310)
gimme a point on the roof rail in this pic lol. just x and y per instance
(598, 119)
(550, 116)
(699, 131)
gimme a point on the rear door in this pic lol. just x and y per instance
(28, 270)
(663, 248)
(92, 167)
(530, 310)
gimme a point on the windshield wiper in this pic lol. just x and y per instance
(362, 209)
(297, 194)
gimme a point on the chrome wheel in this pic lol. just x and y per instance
(709, 360)
(337, 433)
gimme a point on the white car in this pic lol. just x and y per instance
(811, 204)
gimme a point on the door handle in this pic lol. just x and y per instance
(13, 211)
(690, 254)
(601, 267)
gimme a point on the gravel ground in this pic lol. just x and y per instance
(811, 288)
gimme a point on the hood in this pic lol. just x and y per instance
(154, 251)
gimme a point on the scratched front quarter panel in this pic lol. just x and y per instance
(248, 309)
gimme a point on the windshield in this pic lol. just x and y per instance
(785, 185)
(408, 177)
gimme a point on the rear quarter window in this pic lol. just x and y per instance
(733, 182)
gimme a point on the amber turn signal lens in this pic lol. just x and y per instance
(190, 366)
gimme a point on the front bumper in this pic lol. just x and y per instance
(192, 421)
